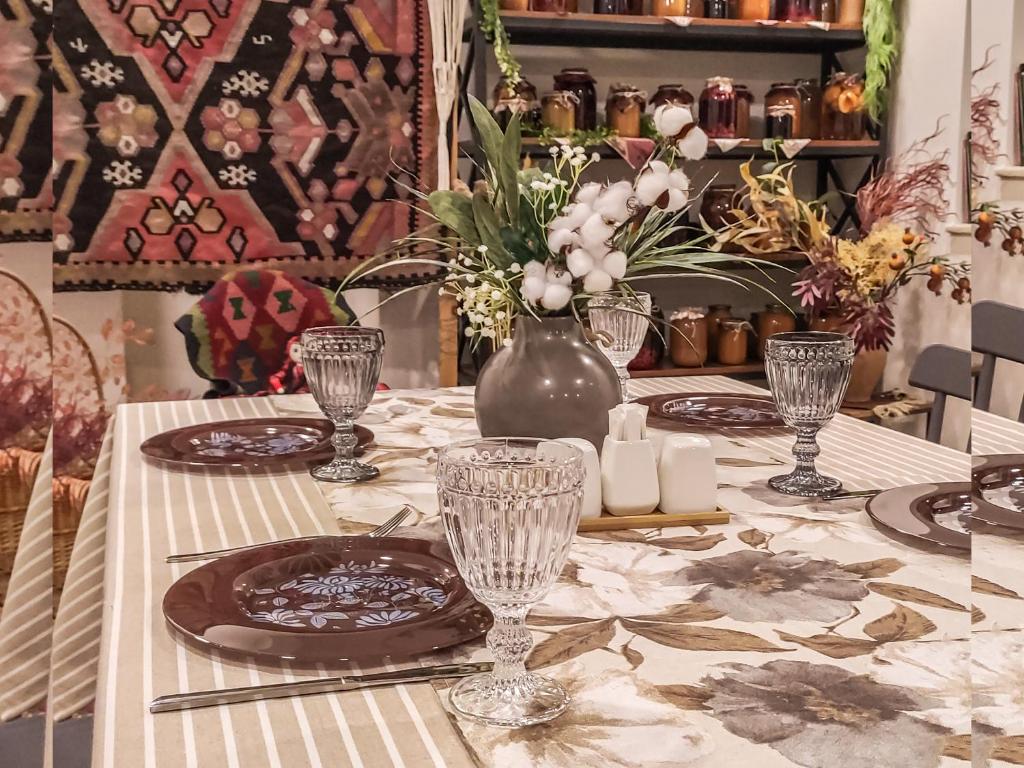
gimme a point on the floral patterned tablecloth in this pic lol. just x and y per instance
(798, 634)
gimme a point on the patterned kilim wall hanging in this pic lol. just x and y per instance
(195, 137)
(26, 196)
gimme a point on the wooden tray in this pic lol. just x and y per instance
(608, 522)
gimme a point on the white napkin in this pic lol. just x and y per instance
(680, 21)
(627, 422)
(822, 25)
(727, 145)
(791, 147)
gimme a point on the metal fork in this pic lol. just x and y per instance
(383, 529)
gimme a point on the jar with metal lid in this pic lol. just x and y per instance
(558, 111)
(797, 10)
(842, 108)
(715, 314)
(851, 12)
(828, 10)
(519, 99)
(514, 5)
(577, 80)
(620, 7)
(717, 9)
(782, 107)
(688, 337)
(718, 108)
(810, 108)
(672, 93)
(752, 10)
(744, 100)
(775, 318)
(733, 338)
(623, 109)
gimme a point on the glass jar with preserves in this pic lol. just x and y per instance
(842, 108)
(733, 337)
(717, 206)
(751, 10)
(717, 9)
(851, 12)
(514, 5)
(797, 10)
(577, 80)
(744, 100)
(829, 11)
(550, 6)
(782, 107)
(775, 318)
(620, 7)
(715, 314)
(558, 112)
(688, 338)
(718, 108)
(671, 93)
(519, 99)
(810, 108)
(623, 109)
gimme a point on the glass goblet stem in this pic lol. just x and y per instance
(344, 441)
(624, 383)
(806, 450)
(509, 641)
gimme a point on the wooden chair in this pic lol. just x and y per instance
(997, 332)
(945, 371)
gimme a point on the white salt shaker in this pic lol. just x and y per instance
(686, 475)
(629, 467)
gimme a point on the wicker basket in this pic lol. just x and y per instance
(69, 494)
(18, 469)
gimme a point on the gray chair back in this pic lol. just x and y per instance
(997, 331)
(945, 371)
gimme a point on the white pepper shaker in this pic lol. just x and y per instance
(686, 475)
(592, 480)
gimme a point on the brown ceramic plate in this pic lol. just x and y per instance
(935, 512)
(249, 443)
(709, 411)
(999, 489)
(332, 598)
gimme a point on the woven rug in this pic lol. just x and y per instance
(194, 136)
(26, 199)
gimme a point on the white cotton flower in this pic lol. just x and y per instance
(574, 215)
(558, 276)
(556, 296)
(535, 268)
(613, 202)
(597, 281)
(559, 238)
(670, 119)
(615, 265)
(588, 193)
(658, 181)
(595, 232)
(694, 145)
(579, 262)
(534, 287)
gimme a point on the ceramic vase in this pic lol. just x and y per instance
(549, 383)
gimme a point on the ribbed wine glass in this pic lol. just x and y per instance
(621, 322)
(342, 365)
(510, 507)
(808, 374)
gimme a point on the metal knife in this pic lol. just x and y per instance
(176, 702)
(851, 494)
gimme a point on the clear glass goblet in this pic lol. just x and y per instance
(342, 365)
(808, 374)
(510, 507)
(621, 322)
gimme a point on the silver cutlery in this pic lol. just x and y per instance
(176, 702)
(851, 494)
(383, 529)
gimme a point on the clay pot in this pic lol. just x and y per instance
(868, 367)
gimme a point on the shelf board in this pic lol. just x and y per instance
(590, 30)
(712, 369)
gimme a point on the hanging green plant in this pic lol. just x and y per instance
(881, 36)
(495, 34)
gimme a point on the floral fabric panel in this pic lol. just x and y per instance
(193, 136)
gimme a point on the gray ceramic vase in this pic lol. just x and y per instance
(551, 382)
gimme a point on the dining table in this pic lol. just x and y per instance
(798, 633)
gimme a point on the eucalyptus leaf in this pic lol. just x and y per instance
(489, 227)
(489, 135)
(511, 148)
(455, 211)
